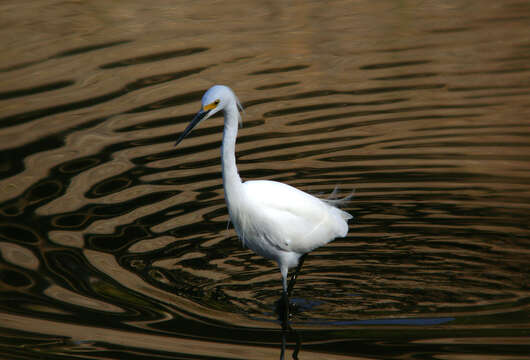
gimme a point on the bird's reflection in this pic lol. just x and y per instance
(284, 310)
(287, 329)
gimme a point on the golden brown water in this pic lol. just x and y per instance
(114, 243)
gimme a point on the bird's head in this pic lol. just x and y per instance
(217, 98)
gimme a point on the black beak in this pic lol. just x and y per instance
(197, 119)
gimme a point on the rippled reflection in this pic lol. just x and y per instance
(115, 244)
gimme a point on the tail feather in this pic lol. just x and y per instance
(336, 202)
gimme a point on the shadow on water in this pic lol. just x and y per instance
(286, 330)
(114, 244)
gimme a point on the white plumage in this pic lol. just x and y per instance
(290, 219)
(275, 220)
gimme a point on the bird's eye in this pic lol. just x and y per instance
(216, 102)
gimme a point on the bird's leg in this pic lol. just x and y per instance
(284, 316)
(295, 275)
(285, 319)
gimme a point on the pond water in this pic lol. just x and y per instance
(115, 244)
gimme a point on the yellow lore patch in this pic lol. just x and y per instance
(210, 106)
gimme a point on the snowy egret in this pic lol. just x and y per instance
(275, 220)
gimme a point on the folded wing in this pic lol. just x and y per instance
(288, 218)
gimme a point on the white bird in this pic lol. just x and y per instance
(275, 220)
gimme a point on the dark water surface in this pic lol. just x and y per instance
(114, 244)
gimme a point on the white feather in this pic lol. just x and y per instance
(273, 217)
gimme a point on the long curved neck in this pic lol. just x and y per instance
(231, 179)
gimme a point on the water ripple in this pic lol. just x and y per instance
(106, 228)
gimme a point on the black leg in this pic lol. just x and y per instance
(286, 294)
(295, 275)
(282, 306)
(284, 315)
